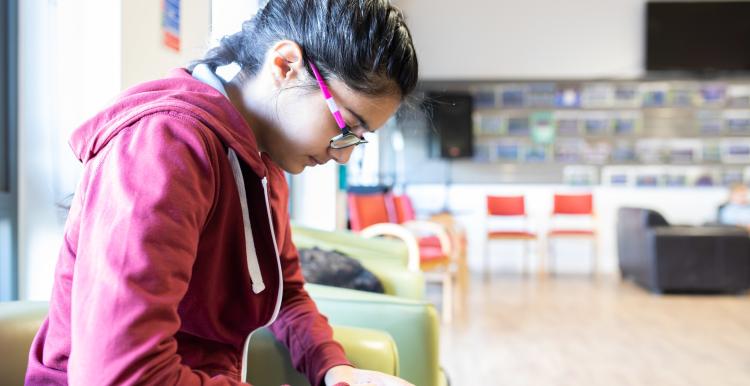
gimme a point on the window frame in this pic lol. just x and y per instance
(8, 150)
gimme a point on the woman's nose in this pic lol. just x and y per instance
(341, 155)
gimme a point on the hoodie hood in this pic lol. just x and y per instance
(180, 92)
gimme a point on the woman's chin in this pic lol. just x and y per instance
(295, 168)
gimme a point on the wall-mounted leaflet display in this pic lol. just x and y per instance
(711, 151)
(617, 176)
(712, 94)
(633, 123)
(663, 176)
(570, 150)
(650, 151)
(684, 151)
(738, 96)
(654, 94)
(541, 95)
(483, 151)
(732, 176)
(737, 122)
(580, 175)
(626, 96)
(709, 122)
(484, 97)
(567, 123)
(512, 96)
(488, 124)
(626, 123)
(598, 153)
(542, 128)
(623, 151)
(536, 154)
(509, 150)
(568, 96)
(597, 123)
(735, 150)
(683, 94)
(597, 95)
(518, 126)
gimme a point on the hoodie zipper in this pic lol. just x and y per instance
(246, 347)
(252, 257)
(276, 250)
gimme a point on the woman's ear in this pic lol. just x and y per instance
(286, 62)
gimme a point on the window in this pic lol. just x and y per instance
(8, 189)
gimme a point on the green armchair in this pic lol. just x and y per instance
(366, 348)
(387, 259)
(405, 315)
(414, 325)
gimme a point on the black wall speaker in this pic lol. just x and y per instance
(450, 124)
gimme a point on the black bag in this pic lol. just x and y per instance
(337, 269)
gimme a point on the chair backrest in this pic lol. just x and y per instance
(404, 208)
(575, 204)
(370, 209)
(506, 206)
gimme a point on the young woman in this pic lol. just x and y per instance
(177, 245)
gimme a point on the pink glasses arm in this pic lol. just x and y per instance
(329, 98)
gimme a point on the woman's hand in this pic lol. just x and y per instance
(359, 377)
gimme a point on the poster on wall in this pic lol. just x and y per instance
(171, 24)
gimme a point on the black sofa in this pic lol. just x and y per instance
(665, 258)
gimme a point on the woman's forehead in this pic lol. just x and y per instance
(375, 109)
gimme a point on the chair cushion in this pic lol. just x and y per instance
(429, 241)
(572, 232)
(430, 257)
(511, 235)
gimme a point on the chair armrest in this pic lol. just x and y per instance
(268, 360)
(19, 322)
(353, 244)
(398, 281)
(269, 363)
(699, 231)
(399, 232)
(414, 325)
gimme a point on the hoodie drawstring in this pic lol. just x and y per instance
(252, 256)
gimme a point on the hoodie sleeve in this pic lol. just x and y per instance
(300, 326)
(146, 198)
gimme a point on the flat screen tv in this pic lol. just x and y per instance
(698, 36)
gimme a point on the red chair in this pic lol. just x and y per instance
(573, 206)
(429, 244)
(508, 207)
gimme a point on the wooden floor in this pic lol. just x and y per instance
(581, 331)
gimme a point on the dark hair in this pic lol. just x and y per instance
(364, 43)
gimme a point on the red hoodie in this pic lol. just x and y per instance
(153, 282)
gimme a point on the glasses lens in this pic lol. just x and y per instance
(346, 140)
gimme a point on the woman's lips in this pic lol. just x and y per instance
(312, 161)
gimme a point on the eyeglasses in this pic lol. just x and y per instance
(346, 138)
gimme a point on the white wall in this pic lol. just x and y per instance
(144, 56)
(480, 39)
